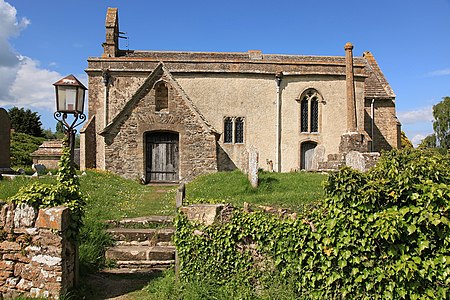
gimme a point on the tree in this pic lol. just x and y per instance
(428, 142)
(26, 121)
(441, 125)
(406, 143)
(22, 145)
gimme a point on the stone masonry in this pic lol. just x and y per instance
(36, 257)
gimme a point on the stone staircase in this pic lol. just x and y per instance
(142, 244)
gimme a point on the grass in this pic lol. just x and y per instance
(165, 287)
(286, 190)
(111, 197)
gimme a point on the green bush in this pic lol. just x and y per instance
(382, 234)
(22, 145)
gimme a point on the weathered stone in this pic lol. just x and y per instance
(24, 215)
(355, 160)
(7, 216)
(206, 214)
(5, 140)
(253, 167)
(318, 157)
(353, 141)
(54, 218)
(11, 246)
(17, 256)
(47, 260)
(181, 192)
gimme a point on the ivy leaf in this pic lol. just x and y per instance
(411, 229)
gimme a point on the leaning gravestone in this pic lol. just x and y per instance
(39, 168)
(5, 143)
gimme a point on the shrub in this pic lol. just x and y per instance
(22, 145)
(382, 234)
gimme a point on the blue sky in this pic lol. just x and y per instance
(42, 41)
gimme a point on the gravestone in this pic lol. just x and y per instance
(39, 168)
(253, 167)
(5, 143)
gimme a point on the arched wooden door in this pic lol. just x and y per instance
(162, 157)
(306, 156)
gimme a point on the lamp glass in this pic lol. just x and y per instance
(80, 100)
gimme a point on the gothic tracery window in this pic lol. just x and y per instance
(309, 111)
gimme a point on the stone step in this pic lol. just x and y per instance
(140, 253)
(147, 221)
(146, 264)
(143, 243)
(152, 236)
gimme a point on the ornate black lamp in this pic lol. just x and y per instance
(70, 101)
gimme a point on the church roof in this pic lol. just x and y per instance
(376, 85)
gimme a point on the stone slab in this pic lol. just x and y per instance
(57, 218)
(206, 214)
(140, 234)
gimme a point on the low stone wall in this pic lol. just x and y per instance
(37, 259)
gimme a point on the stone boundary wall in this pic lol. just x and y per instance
(37, 259)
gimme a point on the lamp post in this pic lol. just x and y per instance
(70, 101)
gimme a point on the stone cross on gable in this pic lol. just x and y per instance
(5, 142)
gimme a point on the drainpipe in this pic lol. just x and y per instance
(106, 77)
(278, 77)
(372, 116)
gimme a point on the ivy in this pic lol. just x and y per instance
(382, 234)
(65, 192)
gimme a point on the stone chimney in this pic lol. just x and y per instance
(111, 45)
(351, 102)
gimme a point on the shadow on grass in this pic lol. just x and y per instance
(266, 183)
(104, 285)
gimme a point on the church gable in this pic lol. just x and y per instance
(156, 101)
(159, 127)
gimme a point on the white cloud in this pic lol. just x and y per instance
(424, 114)
(417, 139)
(23, 82)
(442, 72)
(33, 86)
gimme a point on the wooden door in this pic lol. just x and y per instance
(307, 153)
(162, 157)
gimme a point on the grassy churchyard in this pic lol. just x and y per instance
(111, 197)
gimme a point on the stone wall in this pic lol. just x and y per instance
(197, 154)
(37, 259)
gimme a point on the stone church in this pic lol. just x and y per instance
(170, 116)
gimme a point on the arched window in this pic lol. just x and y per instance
(228, 130)
(161, 96)
(309, 111)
